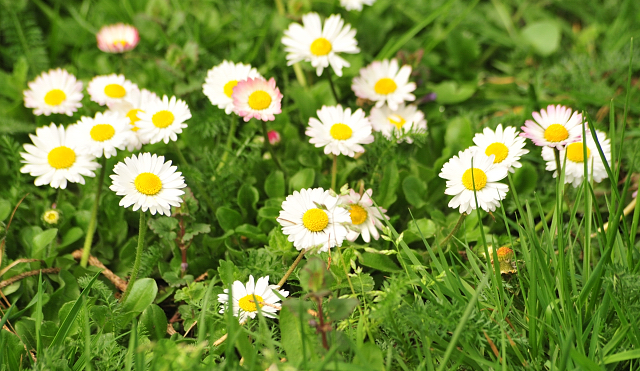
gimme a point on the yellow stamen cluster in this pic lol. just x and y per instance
(499, 150)
(259, 100)
(385, 86)
(114, 91)
(556, 133)
(315, 220)
(358, 214)
(321, 46)
(228, 87)
(55, 97)
(479, 177)
(102, 132)
(575, 152)
(148, 184)
(341, 132)
(61, 157)
(162, 119)
(249, 304)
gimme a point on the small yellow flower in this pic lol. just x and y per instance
(51, 216)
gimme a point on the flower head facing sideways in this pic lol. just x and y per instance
(366, 219)
(247, 299)
(385, 82)
(505, 144)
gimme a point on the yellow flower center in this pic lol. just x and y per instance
(358, 214)
(341, 132)
(148, 183)
(398, 121)
(315, 220)
(249, 304)
(133, 115)
(114, 91)
(55, 97)
(259, 100)
(162, 119)
(228, 87)
(575, 152)
(499, 150)
(320, 46)
(556, 133)
(51, 216)
(120, 43)
(102, 132)
(61, 157)
(504, 253)
(479, 177)
(385, 86)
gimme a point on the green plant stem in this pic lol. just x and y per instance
(280, 7)
(333, 88)
(454, 230)
(91, 230)
(334, 172)
(265, 133)
(231, 135)
(136, 265)
(291, 268)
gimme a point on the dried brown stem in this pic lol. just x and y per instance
(20, 276)
(117, 281)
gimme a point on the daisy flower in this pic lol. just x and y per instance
(51, 216)
(505, 145)
(102, 134)
(163, 120)
(555, 127)
(147, 182)
(355, 4)
(311, 42)
(56, 91)
(383, 82)
(247, 299)
(574, 168)
(461, 176)
(313, 218)
(257, 97)
(221, 79)
(339, 131)
(134, 104)
(117, 38)
(110, 89)
(396, 123)
(53, 160)
(365, 217)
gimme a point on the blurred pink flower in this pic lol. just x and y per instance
(274, 137)
(117, 38)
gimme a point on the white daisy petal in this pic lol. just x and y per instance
(162, 120)
(110, 89)
(555, 127)
(339, 131)
(221, 80)
(383, 82)
(399, 123)
(248, 298)
(56, 91)
(117, 38)
(355, 4)
(366, 219)
(102, 134)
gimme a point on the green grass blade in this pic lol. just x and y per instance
(38, 317)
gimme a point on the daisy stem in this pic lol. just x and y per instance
(265, 133)
(334, 172)
(231, 135)
(291, 268)
(454, 230)
(91, 230)
(136, 264)
(280, 7)
(333, 88)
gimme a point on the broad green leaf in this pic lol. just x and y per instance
(449, 92)
(525, 179)
(370, 355)
(248, 197)
(274, 184)
(459, 134)
(42, 240)
(194, 230)
(302, 179)
(252, 232)
(228, 218)
(414, 190)
(5, 209)
(296, 343)
(154, 321)
(543, 36)
(414, 230)
(72, 235)
(339, 309)
(378, 261)
(142, 294)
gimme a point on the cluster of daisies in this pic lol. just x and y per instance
(134, 117)
(558, 130)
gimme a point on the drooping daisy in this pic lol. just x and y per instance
(221, 79)
(117, 38)
(406, 119)
(311, 42)
(163, 120)
(136, 103)
(102, 134)
(257, 97)
(56, 91)
(53, 160)
(574, 170)
(461, 177)
(355, 4)
(146, 181)
(555, 127)
(384, 82)
(247, 299)
(110, 89)
(506, 145)
(506, 259)
(312, 218)
(365, 217)
(339, 131)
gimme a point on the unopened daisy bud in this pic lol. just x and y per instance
(505, 258)
(554, 127)
(51, 216)
(55, 91)
(117, 38)
(246, 299)
(504, 254)
(274, 137)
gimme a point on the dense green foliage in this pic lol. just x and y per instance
(574, 302)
